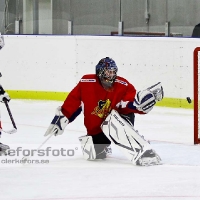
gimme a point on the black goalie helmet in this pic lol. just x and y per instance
(106, 70)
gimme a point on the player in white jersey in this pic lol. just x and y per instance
(3, 97)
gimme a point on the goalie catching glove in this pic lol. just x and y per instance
(58, 123)
(146, 99)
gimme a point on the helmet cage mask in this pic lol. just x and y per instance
(106, 70)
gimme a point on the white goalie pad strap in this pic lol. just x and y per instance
(87, 146)
(124, 137)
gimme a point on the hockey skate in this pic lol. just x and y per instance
(149, 158)
(4, 149)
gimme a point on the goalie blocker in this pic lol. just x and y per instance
(128, 140)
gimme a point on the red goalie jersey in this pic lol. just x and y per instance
(96, 102)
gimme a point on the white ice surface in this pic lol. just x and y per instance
(70, 177)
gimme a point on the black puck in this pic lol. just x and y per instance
(189, 100)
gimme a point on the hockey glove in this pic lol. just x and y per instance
(58, 124)
(144, 101)
(3, 95)
(1, 41)
(157, 91)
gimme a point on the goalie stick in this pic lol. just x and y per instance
(26, 158)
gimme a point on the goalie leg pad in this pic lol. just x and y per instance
(95, 147)
(123, 135)
(87, 146)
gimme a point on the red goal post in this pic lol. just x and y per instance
(196, 58)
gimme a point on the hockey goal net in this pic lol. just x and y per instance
(197, 95)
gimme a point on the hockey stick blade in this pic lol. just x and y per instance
(26, 158)
(9, 131)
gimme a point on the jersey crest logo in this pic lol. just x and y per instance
(88, 80)
(103, 108)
